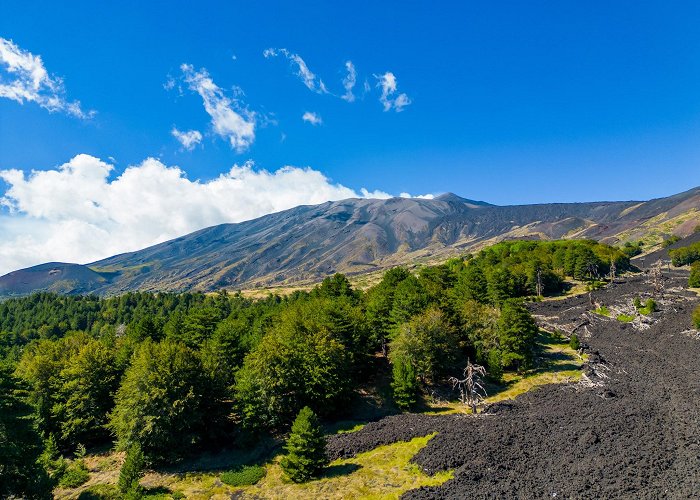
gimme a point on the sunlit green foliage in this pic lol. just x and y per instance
(685, 255)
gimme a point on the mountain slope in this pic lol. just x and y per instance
(307, 243)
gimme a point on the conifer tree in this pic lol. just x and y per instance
(132, 469)
(306, 454)
(404, 384)
(21, 475)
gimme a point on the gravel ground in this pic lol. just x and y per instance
(629, 429)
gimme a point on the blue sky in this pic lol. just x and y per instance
(508, 102)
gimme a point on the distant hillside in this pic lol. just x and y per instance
(354, 236)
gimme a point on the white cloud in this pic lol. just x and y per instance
(78, 213)
(349, 82)
(188, 139)
(23, 78)
(230, 119)
(312, 118)
(387, 82)
(303, 72)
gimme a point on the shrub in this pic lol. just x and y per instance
(101, 492)
(696, 317)
(246, 475)
(574, 342)
(306, 448)
(670, 241)
(603, 311)
(637, 303)
(649, 307)
(694, 280)
(75, 475)
(625, 318)
(685, 255)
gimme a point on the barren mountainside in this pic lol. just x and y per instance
(354, 236)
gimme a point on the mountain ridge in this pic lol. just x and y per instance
(303, 244)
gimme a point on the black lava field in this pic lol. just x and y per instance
(629, 429)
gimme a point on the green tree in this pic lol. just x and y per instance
(159, 404)
(90, 380)
(694, 279)
(404, 383)
(472, 284)
(428, 342)
(132, 469)
(295, 365)
(21, 474)
(306, 454)
(410, 298)
(517, 332)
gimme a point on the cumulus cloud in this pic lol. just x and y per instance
(349, 82)
(23, 78)
(312, 118)
(229, 117)
(387, 83)
(309, 79)
(79, 212)
(188, 139)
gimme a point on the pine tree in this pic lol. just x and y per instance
(306, 454)
(21, 475)
(405, 385)
(132, 469)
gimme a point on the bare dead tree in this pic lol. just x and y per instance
(613, 269)
(471, 390)
(657, 278)
(539, 282)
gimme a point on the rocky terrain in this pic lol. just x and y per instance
(629, 429)
(307, 243)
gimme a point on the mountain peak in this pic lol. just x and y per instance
(453, 198)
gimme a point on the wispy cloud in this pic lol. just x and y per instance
(312, 118)
(80, 212)
(387, 83)
(349, 82)
(230, 119)
(309, 79)
(188, 139)
(23, 78)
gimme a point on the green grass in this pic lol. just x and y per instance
(385, 472)
(625, 318)
(603, 311)
(246, 475)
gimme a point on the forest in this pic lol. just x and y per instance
(177, 374)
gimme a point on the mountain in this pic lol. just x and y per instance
(304, 244)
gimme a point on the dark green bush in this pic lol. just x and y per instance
(246, 475)
(694, 280)
(75, 475)
(670, 241)
(574, 342)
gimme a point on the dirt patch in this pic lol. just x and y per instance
(630, 428)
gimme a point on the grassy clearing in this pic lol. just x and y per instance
(382, 473)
